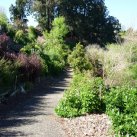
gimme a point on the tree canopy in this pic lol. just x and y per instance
(88, 20)
(19, 12)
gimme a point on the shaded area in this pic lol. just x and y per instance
(39, 102)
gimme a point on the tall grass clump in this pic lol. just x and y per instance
(114, 62)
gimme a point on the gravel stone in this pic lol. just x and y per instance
(94, 125)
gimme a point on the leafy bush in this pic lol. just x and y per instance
(121, 106)
(54, 46)
(54, 58)
(3, 21)
(8, 73)
(20, 37)
(85, 95)
(58, 31)
(31, 48)
(78, 60)
(11, 31)
(32, 34)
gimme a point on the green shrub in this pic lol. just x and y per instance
(57, 60)
(58, 31)
(31, 48)
(32, 34)
(20, 37)
(78, 60)
(54, 46)
(8, 73)
(121, 106)
(54, 60)
(3, 21)
(85, 95)
(11, 31)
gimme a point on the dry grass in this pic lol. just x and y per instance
(115, 61)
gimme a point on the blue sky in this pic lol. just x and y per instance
(124, 10)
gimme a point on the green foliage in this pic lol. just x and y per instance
(31, 48)
(53, 52)
(32, 34)
(20, 37)
(58, 31)
(3, 21)
(85, 95)
(87, 21)
(5, 26)
(45, 65)
(121, 106)
(11, 31)
(19, 13)
(54, 46)
(78, 60)
(59, 28)
(44, 12)
(57, 55)
(133, 71)
(8, 73)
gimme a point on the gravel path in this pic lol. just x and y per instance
(94, 125)
(35, 116)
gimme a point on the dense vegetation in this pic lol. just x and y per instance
(23, 59)
(105, 81)
(88, 20)
(72, 33)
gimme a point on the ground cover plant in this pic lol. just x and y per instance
(85, 95)
(121, 106)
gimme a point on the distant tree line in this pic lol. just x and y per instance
(88, 20)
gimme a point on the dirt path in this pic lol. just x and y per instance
(35, 116)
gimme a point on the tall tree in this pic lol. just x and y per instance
(87, 19)
(19, 12)
(44, 11)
